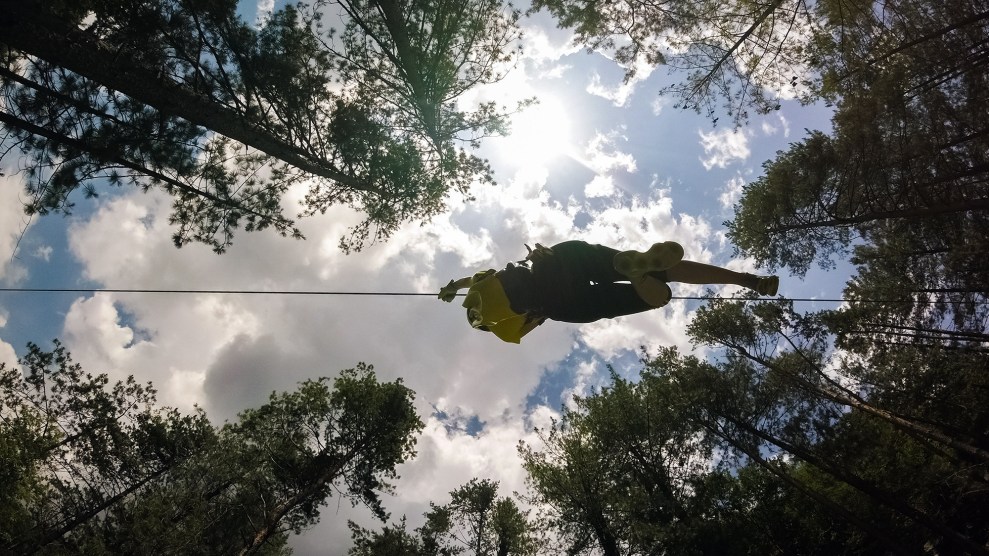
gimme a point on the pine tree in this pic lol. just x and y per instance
(188, 97)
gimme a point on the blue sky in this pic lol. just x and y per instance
(598, 160)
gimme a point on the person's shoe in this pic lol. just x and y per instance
(659, 257)
(652, 290)
(767, 285)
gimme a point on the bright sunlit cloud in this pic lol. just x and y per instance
(539, 133)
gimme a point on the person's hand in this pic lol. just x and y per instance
(448, 292)
(540, 253)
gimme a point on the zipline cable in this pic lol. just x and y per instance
(420, 294)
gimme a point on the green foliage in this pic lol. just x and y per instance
(780, 219)
(416, 60)
(79, 446)
(618, 473)
(392, 540)
(777, 444)
(907, 156)
(94, 468)
(736, 56)
(475, 522)
(189, 98)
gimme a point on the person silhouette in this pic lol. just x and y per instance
(580, 282)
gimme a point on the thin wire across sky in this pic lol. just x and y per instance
(424, 294)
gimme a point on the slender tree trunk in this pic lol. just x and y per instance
(274, 517)
(410, 62)
(824, 501)
(865, 487)
(847, 398)
(110, 155)
(917, 212)
(55, 534)
(607, 541)
(27, 28)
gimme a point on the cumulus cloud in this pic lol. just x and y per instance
(602, 154)
(723, 147)
(544, 48)
(600, 186)
(13, 223)
(264, 11)
(7, 354)
(732, 192)
(770, 128)
(228, 352)
(620, 93)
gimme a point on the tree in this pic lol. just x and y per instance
(571, 478)
(416, 62)
(101, 470)
(908, 150)
(777, 443)
(749, 54)
(475, 522)
(188, 97)
(623, 471)
(819, 389)
(79, 447)
(793, 472)
(743, 53)
(393, 540)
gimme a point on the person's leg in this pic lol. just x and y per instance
(604, 301)
(564, 281)
(690, 272)
(659, 257)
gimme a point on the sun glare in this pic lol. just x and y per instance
(539, 133)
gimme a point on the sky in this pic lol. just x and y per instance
(598, 160)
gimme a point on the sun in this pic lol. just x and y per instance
(539, 133)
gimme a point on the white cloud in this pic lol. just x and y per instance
(723, 147)
(7, 354)
(732, 191)
(619, 94)
(209, 339)
(13, 223)
(658, 104)
(602, 154)
(786, 125)
(43, 252)
(264, 11)
(600, 186)
(769, 128)
(586, 378)
(545, 47)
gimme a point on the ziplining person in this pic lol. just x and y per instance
(579, 282)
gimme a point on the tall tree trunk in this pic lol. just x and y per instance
(53, 535)
(824, 501)
(915, 212)
(845, 397)
(110, 155)
(26, 27)
(864, 487)
(271, 519)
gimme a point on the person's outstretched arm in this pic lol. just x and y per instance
(449, 292)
